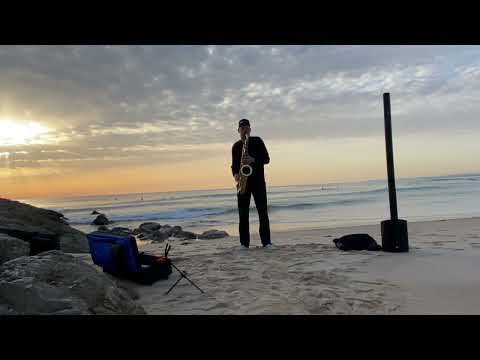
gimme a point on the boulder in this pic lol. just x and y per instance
(101, 220)
(116, 230)
(37, 242)
(144, 236)
(31, 221)
(167, 229)
(187, 235)
(57, 283)
(5, 310)
(11, 248)
(121, 231)
(176, 230)
(149, 227)
(159, 236)
(146, 232)
(213, 234)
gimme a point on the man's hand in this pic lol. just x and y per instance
(249, 159)
(237, 178)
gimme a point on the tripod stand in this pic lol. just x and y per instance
(167, 249)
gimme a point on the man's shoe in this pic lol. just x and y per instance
(268, 246)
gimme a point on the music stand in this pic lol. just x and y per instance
(182, 274)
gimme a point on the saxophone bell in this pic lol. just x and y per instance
(246, 170)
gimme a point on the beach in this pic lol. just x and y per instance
(304, 273)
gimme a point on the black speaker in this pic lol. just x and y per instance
(394, 235)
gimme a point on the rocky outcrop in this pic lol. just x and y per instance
(31, 220)
(121, 231)
(158, 236)
(101, 220)
(187, 235)
(158, 233)
(149, 227)
(56, 283)
(168, 231)
(11, 248)
(213, 234)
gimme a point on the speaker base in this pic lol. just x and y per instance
(394, 235)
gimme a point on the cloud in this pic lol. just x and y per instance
(102, 99)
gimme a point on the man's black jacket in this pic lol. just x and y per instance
(256, 149)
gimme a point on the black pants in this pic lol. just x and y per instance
(259, 191)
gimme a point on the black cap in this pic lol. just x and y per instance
(243, 122)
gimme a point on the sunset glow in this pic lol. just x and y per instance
(18, 133)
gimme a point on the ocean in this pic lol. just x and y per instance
(290, 207)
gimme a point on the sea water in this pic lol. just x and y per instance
(289, 207)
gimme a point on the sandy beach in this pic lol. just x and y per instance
(305, 274)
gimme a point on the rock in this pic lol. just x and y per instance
(37, 242)
(95, 212)
(127, 286)
(58, 283)
(116, 230)
(162, 233)
(31, 221)
(5, 310)
(11, 248)
(166, 229)
(149, 227)
(187, 235)
(213, 234)
(121, 231)
(101, 220)
(74, 242)
(159, 236)
(143, 236)
(176, 230)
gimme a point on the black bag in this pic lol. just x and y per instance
(357, 242)
(38, 242)
(151, 268)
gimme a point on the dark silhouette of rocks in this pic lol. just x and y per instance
(43, 229)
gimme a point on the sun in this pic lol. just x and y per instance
(20, 133)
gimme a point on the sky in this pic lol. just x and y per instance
(86, 120)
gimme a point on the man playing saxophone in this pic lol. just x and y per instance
(250, 151)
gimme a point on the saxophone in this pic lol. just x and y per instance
(245, 169)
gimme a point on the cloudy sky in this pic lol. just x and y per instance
(80, 120)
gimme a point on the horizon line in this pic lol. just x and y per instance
(271, 186)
